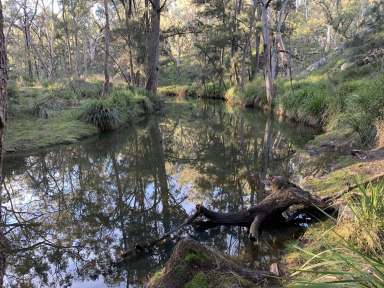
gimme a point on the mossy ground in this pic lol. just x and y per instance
(30, 133)
(194, 266)
(52, 113)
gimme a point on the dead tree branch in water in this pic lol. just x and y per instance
(285, 197)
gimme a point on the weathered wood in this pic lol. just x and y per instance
(284, 195)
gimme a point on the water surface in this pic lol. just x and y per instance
(72, 209)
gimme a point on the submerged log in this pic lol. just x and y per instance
(285, 198)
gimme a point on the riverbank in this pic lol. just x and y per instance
(342, 92)
(51, 114)
(345, 249)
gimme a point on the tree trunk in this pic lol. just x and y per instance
(128, 12)
(27, 43)
(154, 48)
(106, 48)
(279, 43)
(3, 108)
(68, 40)
(269, 82)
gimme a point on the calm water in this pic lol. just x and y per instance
(72, 209)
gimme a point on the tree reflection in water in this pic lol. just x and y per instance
(71, 210)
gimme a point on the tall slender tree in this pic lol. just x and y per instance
(3, 107)
(269, 81)
(106, 49)
(154, 46)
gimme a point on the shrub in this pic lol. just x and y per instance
(233, 95)
(307, 101)
(120, 106)
(174, 91)
(100, 114)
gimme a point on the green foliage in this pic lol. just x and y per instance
(185, 74)
(200, 280)
(364, 106)
(100, 114)
(211, 91)
(246, 96)
(368, 212)
(194, 257)
(86, 89)
(177, 91)
(12, 89)
(355, 260)
(119, 107)
(306, 101)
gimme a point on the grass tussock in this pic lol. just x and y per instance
(120, 106)
(350, 253)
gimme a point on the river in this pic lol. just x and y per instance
(72, 209)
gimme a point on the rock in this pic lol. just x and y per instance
(346, 66)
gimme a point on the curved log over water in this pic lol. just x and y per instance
(285, 198)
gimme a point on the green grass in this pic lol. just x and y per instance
(53, 113)
(200, 280)
(30, 133)
(208, 91)
(350, 253)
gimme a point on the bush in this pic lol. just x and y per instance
(120, 106)
(12, 89)
(174, 91)
(101, 115)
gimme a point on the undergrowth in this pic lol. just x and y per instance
(351, 251)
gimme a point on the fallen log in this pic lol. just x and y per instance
(283, 197)
(270, 210)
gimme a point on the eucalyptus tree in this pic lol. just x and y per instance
(3, 111)
(154, 46)
(106, 49)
